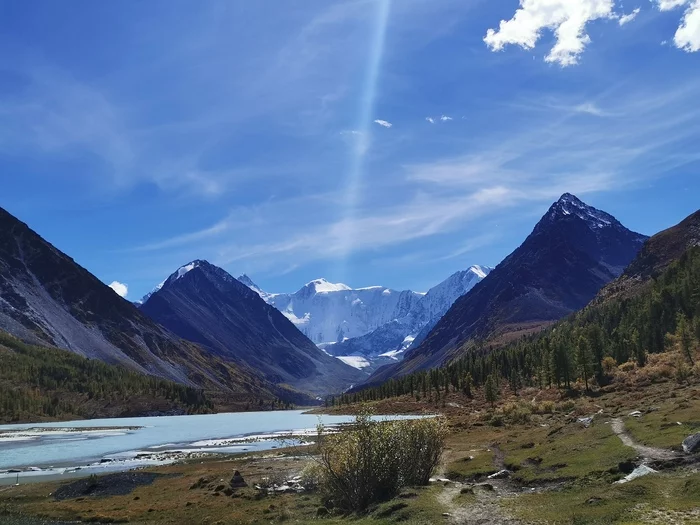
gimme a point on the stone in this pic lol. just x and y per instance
(501, 474)
(691, 443)
(640, 471)
(586, 421)
(237, 480)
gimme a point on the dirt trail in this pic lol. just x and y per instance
(483, 505)
(483, 508)
(648, 453)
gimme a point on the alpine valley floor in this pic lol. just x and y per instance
(558, 469)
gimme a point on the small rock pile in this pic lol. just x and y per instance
(289, 485)
(219, 487)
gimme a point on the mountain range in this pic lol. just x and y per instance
(572, 253)
(203, 328)
(202, 303)
(368, 327)
(47, 299)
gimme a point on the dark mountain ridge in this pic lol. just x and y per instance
(573, 251)
(204, 304)
(46, 298)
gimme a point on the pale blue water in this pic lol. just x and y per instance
(157, 434)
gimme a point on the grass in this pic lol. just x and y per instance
(666, 497)
(568, 451)
(171, 500)
(465, 469)
(660, 427)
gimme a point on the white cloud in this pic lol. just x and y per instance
(590, 108)
(445, 118)
(383, 123)
(119, 288)
(430, 119)
(566, 18)
(687, 36)
(626, 19)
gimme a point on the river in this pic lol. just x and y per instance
(33, 452)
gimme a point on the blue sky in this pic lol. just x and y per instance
(371, 142)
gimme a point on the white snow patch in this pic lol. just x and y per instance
(323, 286)
(354, 361)
(185, 269)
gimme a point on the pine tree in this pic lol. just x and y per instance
(491, 390)
(467, 385)
(583, 359)
(685, 338)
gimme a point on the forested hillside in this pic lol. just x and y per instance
(587, 347)
(48, 383)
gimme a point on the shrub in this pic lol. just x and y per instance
(609, 365)
(374, 460)
(545, 407)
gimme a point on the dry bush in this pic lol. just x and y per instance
(629, 366)
(374, 460)
(544, 407)
(609, 365)
(516, 413)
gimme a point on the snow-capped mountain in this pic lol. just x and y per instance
(329, 313)
(391, 339)
(368, 326)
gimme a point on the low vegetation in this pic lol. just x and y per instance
(375, 460)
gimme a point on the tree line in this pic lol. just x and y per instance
(588, 346)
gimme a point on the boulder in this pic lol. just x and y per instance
(237, 481)
(691, 443)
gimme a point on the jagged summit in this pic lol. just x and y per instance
(571, 206)
(179, 273)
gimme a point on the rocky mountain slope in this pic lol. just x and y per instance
(655, 256)
(204, 304)
(46, 298)
(571, 254)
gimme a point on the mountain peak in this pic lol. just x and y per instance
(569, 206)
(323, 286)
(479, 271)
(248, 281)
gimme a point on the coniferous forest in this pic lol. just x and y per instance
(586, 348)
(49, 383)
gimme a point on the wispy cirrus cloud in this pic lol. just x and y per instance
(520, 168)
(383, 123)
